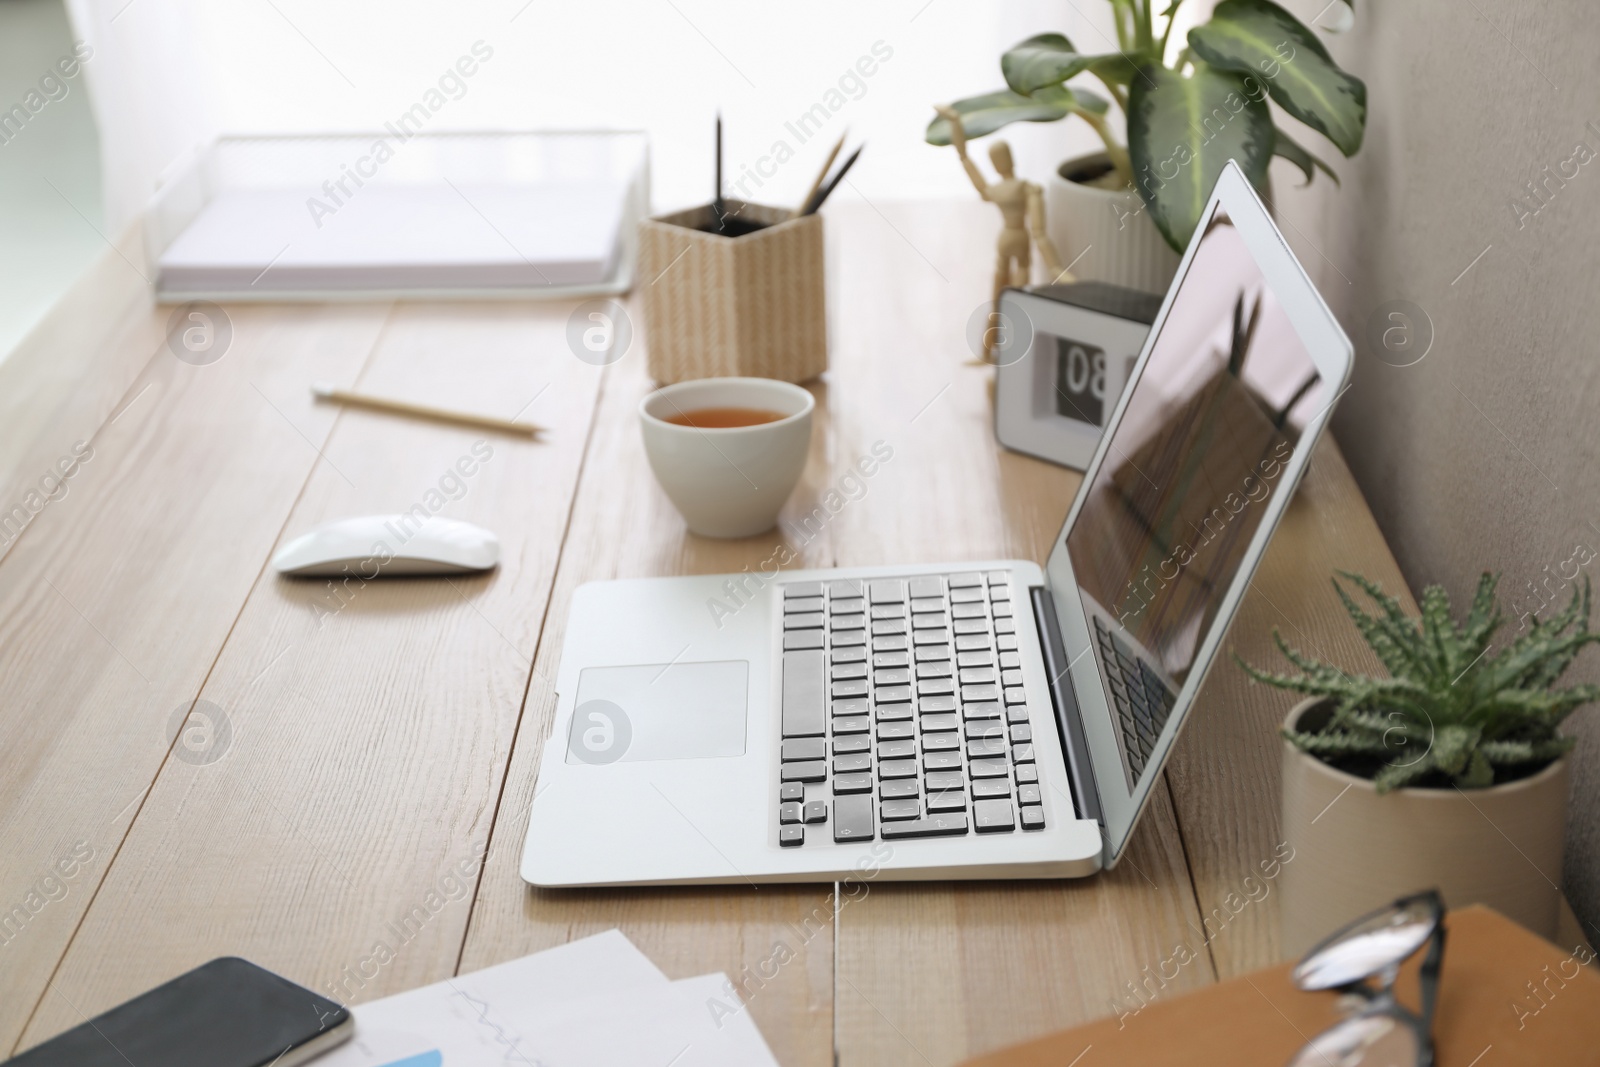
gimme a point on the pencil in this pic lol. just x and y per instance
(826, 191)
(821, 175)
(328, 391)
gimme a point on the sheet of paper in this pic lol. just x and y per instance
(468, 1020)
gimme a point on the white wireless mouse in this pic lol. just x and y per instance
(375, 545)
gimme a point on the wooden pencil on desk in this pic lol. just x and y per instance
(328, 391)
(821, 175)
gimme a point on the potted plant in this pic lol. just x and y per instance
(1190, 104)
(1450, 772)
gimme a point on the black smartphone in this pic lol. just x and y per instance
(226, 1013)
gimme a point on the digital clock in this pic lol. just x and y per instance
(1062, 355)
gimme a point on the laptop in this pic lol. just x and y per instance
(990, 719)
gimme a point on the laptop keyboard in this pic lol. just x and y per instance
(903, 711)
(1141, 698)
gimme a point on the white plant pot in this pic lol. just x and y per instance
(1356, 851)
(1108, 232)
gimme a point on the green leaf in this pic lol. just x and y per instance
(1261, 39)
(1182, 130)
(1285, 146)
(1050, 59)
(982, 115)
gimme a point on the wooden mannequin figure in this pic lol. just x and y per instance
(1021, 205)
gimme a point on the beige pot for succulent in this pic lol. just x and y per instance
(1356, 850)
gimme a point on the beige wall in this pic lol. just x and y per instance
(1486, 454)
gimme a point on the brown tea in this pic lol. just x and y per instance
(723, 418)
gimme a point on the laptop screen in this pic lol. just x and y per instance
(1208, 431)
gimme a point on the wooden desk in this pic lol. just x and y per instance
(381, 735)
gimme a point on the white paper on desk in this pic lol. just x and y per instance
(465, 1021)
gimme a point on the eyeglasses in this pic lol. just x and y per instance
(1380, 1031)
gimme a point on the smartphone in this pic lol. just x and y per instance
(226, 1013)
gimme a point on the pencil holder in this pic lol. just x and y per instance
(748, 305)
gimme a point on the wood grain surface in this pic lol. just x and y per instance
(374, 746)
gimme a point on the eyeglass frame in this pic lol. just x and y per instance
(1381, 1000)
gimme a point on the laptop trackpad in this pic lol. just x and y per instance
(659, 711)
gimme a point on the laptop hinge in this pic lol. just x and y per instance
(1069, 724)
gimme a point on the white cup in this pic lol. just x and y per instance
(728, 482)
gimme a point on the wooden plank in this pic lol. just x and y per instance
(931, 974)
(623, 526)
(116, 599)
(1225, 770)
(370, 723)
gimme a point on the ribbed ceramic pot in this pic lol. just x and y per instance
(1107, 232)
(1355, 851)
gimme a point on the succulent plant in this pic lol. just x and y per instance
(1451, 711)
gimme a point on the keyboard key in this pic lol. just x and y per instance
(1006, 642)
(790, 836)
(990, 768)
(847, 606)
(792, 791)
(852, 818)
(938, 702)
(897, 749)
(851, 706)
(892, 676)
(938, 722)
(888, 611)
(847, 638)
(1015, 694)
(888, 590)
(942, 761)
(971, 627)
(1005, 626)
(935, 669)
(1010, 659)
(1000, 610)
(930, 637)
(1032, 817)
(851, 724)
(949, 800)
(964, 579)
(1000, 590)
(966, 596)
(965, 642)
(930, 686)
(796, 604)
(1027, 772)
(1021, 753)
(1021, 733)
(801, 639)
(802, 693)
(980, 658)
(1011, 677)
(985, 729)
(940, 743)
(890, 643)
(897, 768)
(852, 783)
(899, 809)
(892, 694)
(969, 611)
(892, 712)
(854, 743)
(816, 811)
(855, 687)
(845, 588)
(952, 824)
(927, 585)
(1027, 794)
(940, 781)
(894, 731)
(993, 816)
(930, 620)
(974, 675)
(890, 659)
(788, 813)
(932, 653)
(999, 577)
(982, 749)
(982, 710)
(802, 589)
(803, 748)
(840, 623)
(980, 692)
(852, 762)
(927, 603)
(898, 789)
(989, 788)
(810, 771)
(841, 671)
(1017, 713)
(883, 627)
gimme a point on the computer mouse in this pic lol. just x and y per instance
(375, 545)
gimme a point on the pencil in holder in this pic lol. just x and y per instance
(740, 297)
